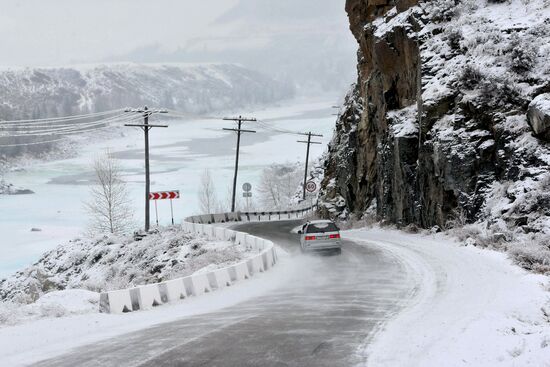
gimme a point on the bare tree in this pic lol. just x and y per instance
(109, 205)
(278, 184)
(208, 201)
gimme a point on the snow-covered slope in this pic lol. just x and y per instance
(192, 88)
(109, 263)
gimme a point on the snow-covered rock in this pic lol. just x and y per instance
(539, 115)
(437, 130)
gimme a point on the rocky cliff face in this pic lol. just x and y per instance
(449, 119)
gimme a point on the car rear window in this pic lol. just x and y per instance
(322, 227)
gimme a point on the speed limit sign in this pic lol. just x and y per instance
(311, 186)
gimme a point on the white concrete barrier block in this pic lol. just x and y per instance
(150, 296)
(274, 255)
(118, 302)
(240, 238)
(201, 284)
(220, 233)
(261, 243)
(219, 218)
(198, 228)
(258, 264)
(175, 290)
(230, 234)
(208, 231)
(185, 227)
(267, 258)
(239, 272)
(223, 278)
(250, 241)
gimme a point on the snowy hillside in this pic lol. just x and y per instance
(109, 263)
(447, 125)
(191, 88)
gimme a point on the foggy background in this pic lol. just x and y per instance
(305, 42)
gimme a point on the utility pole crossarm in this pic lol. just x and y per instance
(242, 119)
(145, 125)
(308, 142)
(240, 130)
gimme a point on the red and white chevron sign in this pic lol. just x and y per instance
(162, 195)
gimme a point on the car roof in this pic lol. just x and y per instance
(320, 221)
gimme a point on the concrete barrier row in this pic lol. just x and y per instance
(151, 295)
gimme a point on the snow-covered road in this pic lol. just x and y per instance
(471, 307)
(391, 299)
(317, 314)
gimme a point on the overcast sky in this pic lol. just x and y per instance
(54, 32)
(63, 32)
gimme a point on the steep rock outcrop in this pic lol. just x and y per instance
(539, 116)
(437, 122)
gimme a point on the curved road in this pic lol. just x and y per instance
(323, 317)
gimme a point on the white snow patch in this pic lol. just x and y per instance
(468, 307)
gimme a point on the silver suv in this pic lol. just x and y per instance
(320, 235)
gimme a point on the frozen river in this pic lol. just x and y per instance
(179, 155)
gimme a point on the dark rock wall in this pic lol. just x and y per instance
(424, 135)
(380, 167)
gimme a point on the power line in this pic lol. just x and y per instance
(68, 129)
(52, 135)
(239, 130)
(53, 119)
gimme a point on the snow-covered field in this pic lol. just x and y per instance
(179, 154)
(470, 307)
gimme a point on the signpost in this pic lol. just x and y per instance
(247, 188)
(164, 195)
(311, 186)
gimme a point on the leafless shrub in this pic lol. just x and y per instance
(208, 201)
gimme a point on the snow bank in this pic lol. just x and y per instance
(51, 305)
(109, 262)
(468, 306)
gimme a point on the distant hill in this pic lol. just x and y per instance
(194, 88)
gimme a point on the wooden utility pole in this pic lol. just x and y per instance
(146, 127)
(239, 131)
(308, 142)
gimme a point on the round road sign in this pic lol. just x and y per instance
(311, 186)
(247, 187)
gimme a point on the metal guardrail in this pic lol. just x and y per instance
(250, 216)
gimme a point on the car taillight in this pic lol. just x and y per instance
(310, 238)
(335, 235)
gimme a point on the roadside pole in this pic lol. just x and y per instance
(239, 131)
(146, 127)
(308, 142)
